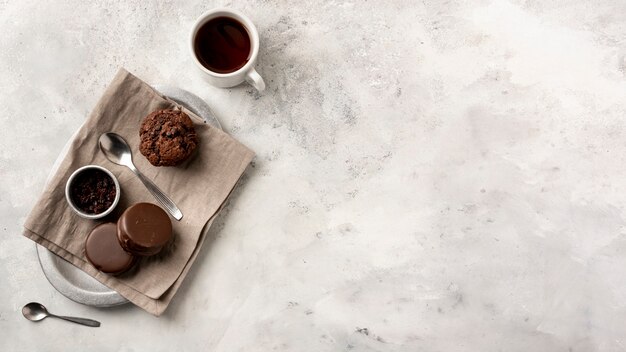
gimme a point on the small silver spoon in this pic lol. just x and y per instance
(117, 151)
(34, 311)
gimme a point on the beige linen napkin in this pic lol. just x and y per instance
(199, 187)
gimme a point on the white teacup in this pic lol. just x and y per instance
(247, 72)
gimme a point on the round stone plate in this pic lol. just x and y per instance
(74, 283)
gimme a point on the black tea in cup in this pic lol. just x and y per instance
(222, 45)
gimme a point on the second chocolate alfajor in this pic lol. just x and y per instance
(144, 229)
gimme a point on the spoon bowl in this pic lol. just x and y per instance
(34, 311)
(116, 149)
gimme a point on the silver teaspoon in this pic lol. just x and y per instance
(34, 311)
(117, 151)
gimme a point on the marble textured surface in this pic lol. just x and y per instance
(431, 175)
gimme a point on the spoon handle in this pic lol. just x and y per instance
(159, 195)
(82, 321)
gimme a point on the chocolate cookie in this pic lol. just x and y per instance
(167, 137)
(103, 250)
(144, 229)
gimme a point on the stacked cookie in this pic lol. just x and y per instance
(142, 230)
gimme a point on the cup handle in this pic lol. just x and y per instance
(255, 80)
